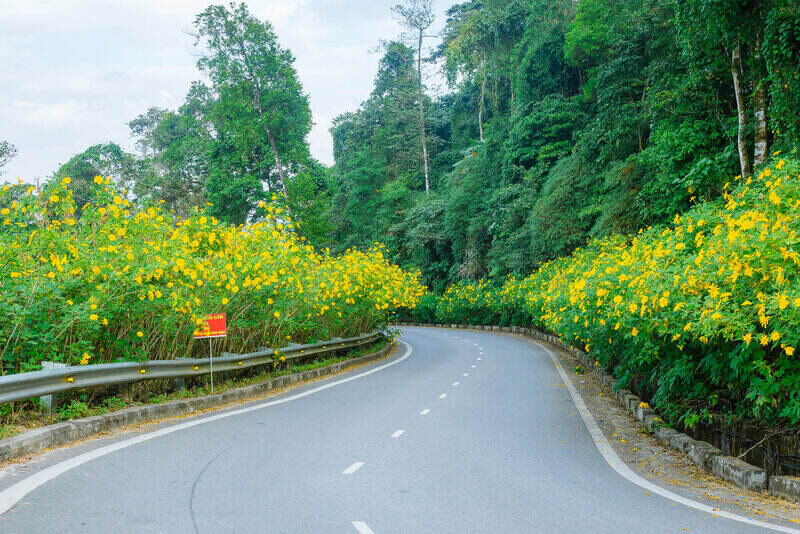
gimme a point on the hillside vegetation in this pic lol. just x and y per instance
(115, 280)
(701, 315)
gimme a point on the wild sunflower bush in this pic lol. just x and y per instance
(111, 280)
(701, 317)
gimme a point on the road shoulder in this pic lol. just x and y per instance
(661, 465)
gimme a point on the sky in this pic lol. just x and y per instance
(74, 72)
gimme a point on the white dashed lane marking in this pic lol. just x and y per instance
(456, 383)
(353, 468)
(362, 527)
(426, 411)
(398, 433)
(443, 395)
(466, 374)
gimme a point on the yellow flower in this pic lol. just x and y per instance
(747, 338)
(277, 314)
(66, 180)
(789, 350)
(764, 340)
(775, 336)
(53, 199)
(225, 300)
(93, 317)
(98, 180)
(634, 332)
(139, 334)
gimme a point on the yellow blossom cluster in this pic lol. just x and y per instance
(111, 280)
(702, 315)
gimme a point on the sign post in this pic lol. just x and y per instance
(214, 325)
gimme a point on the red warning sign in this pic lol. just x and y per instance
(214, 325)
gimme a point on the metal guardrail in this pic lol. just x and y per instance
(36, 383)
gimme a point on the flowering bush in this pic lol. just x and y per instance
(133, 282)
(702, 317)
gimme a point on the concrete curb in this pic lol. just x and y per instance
(701, 453)
(58, 434)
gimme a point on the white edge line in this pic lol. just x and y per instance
(353, 468)
(362, 527)
(623, 470)
(12, 495)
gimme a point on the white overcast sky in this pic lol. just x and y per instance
(74, 72)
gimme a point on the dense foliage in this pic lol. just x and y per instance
(565, 123)
(701, 315)
(566, 120)
(239, 136)
(123, 281)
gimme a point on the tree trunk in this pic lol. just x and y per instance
(281, 174)
(481, 105)
(274, 146)
(422, 115)
(736, 73)
(761, 125)
(760, 108)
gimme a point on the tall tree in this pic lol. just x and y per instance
(106, 160)
(180, 145)
(465, 48)
(143, 127)
(244, 60)
(736, 30)
(7, 152)
(417, 15)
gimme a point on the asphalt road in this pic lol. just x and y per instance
(471, 432)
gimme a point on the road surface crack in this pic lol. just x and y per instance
(194, 489)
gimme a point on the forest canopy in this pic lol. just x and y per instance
(560, 121)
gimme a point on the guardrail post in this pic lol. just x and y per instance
(49, 401)
(125, 391)
(180, 382)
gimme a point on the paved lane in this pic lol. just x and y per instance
(474, 432)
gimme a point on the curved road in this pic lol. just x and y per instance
(469, 432)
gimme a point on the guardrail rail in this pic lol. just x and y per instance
(37, 383)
